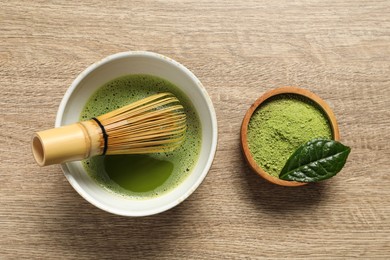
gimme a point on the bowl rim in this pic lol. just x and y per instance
(271, 93)
(214, 133)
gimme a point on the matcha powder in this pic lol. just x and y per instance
(279, 126)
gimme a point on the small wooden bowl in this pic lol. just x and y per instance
(258, 102)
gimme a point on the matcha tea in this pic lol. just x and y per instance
(142, 176)
(280, 125)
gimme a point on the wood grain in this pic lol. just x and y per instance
(338, 49)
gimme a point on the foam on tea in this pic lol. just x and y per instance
(142, 176)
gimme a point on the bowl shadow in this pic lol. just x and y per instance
(272, 198)
(85, 231)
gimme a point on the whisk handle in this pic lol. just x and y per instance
(67, 143)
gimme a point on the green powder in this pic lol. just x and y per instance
(280, 125)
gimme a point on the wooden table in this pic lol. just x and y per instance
(339, 49)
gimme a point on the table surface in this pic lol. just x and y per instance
(238, 49)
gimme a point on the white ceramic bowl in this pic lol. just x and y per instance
(133, 63)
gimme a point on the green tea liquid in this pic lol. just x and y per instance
(142, 176)
(137, 173)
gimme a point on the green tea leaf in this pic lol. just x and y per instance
(316, 160)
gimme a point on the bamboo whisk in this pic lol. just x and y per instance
(153, 124)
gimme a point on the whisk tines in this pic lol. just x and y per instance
(154, 124)
(151, 125)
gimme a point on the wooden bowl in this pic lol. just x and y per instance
(258, 102)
